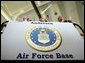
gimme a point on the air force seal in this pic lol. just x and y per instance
(43, 38)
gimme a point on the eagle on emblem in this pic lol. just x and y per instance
(43, 37)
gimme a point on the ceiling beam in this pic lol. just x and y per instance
(7, 9)
(46, 9)
(36, 9)
(18, 13)
(37, 3)
(5, 15)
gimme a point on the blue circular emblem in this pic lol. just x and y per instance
(43, 38)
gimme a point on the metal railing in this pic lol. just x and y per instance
(78, 26)
(3, 25)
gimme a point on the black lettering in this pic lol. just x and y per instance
(32, 23)
(24, 55)
(71, 56)
(19, 56)
(39, 56)
(63, 56)
(27, 56)
(58, 55)
(33, 55)
(43, 56)
(67, 56)
(40, 23)
(47, 56)
(51, 56)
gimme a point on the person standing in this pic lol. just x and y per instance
(26, 19)
(60, 19)
(42, 19)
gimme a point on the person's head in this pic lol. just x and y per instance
(60, 18)
(48, 17)
(28, 19)
(42, 19)
(69, 18)
(25, 18)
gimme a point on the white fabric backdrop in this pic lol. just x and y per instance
(13, 41)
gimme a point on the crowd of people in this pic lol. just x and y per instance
(60, 19)
(41, 19)
(25, 18)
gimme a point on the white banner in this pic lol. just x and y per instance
(41, 41)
